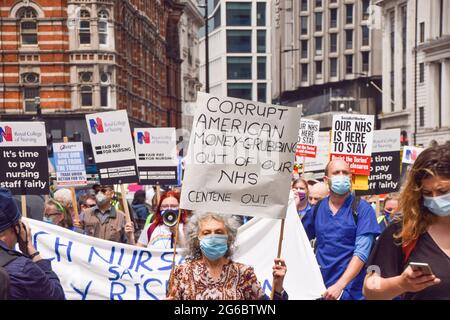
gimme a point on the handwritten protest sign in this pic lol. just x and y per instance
(23, 158)
(385, 166)
(352, 137)
(91, 268)
(112, 146)
(156, 155)
(318, 163)
(69, 163)
(308, 138)
(240, 158)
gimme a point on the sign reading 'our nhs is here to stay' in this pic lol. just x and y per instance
(112, 146)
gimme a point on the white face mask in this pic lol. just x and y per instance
(101, 198)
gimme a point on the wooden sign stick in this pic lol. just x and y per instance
(126, 209)
(280, 243)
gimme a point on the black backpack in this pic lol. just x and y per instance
(6, 257)
(355, 204)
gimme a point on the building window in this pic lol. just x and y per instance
(333, 42)
(240, 90)
(104, 90)
(260, 13)
(85, 78)
(365, 9)
(262, 92)
(304, 25)
(333, 18)
(349, 64)
(304, 72)
(348, 39)
(261, 41)
(333, 67)
(365, 35)
(318, 69)
(85, 27)
(404, 88)
(239, 41)
(304, 5)
(28, 26)
(422, 32)
(421, 117)
(318, 19)
(239, 67)
(261, 68)
(103, 27)
(239, 14)
(304, 52)
(421, 72)
(318, 3)
(349, 13)
(29, 95)
(365, 61)
(318, 45)
(392, 91)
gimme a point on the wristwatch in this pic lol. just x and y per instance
(34, 255)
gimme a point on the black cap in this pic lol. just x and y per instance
(9, 212)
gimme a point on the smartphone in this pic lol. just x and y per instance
(424, 267)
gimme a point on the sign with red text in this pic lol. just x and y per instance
(69, 164)
(308, 138)
(352, 136)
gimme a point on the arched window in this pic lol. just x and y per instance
(104, 90)
(85, 79)
(103, 27)
(31, 90)
(28, 26)
(85, 27)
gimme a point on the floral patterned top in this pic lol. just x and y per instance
(237, 281)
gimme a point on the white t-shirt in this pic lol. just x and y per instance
(161, 237)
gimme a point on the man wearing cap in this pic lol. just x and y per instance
(31, 277)
(106, 222)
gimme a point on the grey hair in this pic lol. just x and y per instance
(193, 243)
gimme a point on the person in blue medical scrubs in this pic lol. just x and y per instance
(345, 234)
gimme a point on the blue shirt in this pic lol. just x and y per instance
(302, 213)
(32, 280)
(336, 240)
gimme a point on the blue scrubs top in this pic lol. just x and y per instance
(336, 237)
(302, 213)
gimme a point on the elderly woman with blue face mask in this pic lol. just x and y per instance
(209, 273)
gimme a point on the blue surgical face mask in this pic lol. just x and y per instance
(214, 246)
(47, 219)
(439, 206)
(340, 184)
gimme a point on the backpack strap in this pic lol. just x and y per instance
(355, 204)
(408, 249)
(150, 231)
(6, 257)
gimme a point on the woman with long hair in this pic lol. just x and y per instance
(422, 236)
(161, 232)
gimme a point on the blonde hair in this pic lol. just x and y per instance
(432, 162)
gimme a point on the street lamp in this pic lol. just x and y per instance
(205, 18)
(280, 68)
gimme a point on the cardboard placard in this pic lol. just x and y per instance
(112, 146)
(23, 158)
(323, 150)
(240, 158)
(69, 163)
(308, 138)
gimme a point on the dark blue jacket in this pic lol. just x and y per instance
(32, 280)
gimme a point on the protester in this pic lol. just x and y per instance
(86, 202)
(345, 228)
(209, 273)
(389, 210)
(158, 234)
(106, 222)
(31, 277)
(422, 235)
(56, 213)
(64, 197)
(141, 208)
(317, 192)
(300, 189)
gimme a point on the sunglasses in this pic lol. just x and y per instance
(103, 190)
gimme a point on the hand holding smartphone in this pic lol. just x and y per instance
(423, 267)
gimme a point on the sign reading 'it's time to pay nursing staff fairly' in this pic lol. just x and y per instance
(23, 158)
(352, 136)
(112, 145)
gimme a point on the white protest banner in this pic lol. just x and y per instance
(91, 268)
(352, 136)
(308, 138)
(410, 154)
(156, 154)
(69, 162)
(385, 165)
(240, 158)
(112, 146)
(23, 158)
(323, 151)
